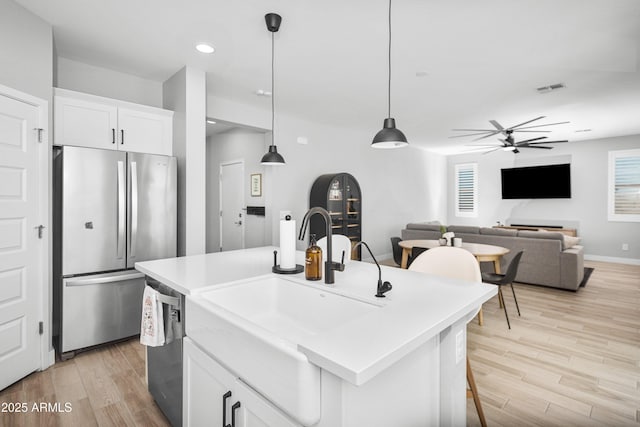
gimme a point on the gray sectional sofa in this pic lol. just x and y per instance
(546, 260)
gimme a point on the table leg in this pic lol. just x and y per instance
(480, 317)
(405, 258)
(496, 267)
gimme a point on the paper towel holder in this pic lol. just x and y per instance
(277, 269)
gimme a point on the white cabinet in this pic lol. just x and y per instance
(96, 122)
(84, 123)
(214, 396)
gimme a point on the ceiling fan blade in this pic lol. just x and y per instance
(529, 140)
(549, 142)
(492, 150)
(487, 136)
(496, 125)
(536, 131)
(468, 134)
(475, 150)
(535, 146)
(473, 130)
(546, 124)
(528, 121)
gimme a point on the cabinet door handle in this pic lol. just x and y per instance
(113, 135)
(121, 136)
(224, 407)
(233, 413)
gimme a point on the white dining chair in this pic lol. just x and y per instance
(458, 263)
(339, 243)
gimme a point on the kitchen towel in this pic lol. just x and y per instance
(288, 243)
(152, 323)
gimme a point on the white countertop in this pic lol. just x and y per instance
(418, 307)
(192, 274)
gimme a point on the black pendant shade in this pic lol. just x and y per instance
(272, 158)
(389, 136)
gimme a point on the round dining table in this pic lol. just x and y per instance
(482, 252)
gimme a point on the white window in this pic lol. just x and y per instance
(624, 186)
(467, 190)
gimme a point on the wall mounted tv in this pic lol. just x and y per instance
(537, 182)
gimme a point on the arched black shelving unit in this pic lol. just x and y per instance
(339, 194)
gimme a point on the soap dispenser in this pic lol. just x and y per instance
(313, 261)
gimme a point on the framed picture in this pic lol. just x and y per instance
(256, 184)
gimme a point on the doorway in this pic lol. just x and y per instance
(229, 143)
(232, 223)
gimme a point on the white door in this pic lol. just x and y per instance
(231, 203)
(21, 260)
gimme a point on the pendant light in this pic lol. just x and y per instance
(272, 158)
(389, 136)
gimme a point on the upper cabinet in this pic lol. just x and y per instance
(92, 121)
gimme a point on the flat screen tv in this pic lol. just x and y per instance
(537, 182)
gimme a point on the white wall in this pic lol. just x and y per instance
(237, 144)
(586, 210)
(26, 51)
(184, 93)
(81, 77)
(398, 186)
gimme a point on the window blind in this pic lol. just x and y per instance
(466, 189)
(627, 185)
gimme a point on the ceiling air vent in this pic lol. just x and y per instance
(550, 88)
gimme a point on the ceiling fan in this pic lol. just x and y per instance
(509, 143)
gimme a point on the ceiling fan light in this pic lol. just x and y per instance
(389, 136)
(509, 148)
(272, 158)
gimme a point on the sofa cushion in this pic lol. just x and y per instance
(541, 235)
(465, 229)
(423, 226)
(498, 231)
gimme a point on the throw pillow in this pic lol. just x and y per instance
(570, 241)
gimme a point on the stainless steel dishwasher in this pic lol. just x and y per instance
(164, 363)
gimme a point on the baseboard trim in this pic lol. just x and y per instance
(616, 260)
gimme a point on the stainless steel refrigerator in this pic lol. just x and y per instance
(111, 209)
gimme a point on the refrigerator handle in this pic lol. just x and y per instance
(104, 279)
(134, 209)
(122, 192)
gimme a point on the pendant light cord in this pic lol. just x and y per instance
(389, 85)
(273, 95)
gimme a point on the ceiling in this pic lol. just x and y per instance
(455, 63)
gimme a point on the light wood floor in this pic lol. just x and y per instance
(572, 359)
(105, 387)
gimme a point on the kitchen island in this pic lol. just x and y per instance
(343, 358)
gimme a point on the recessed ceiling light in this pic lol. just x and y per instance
(261, 92)
(205, 48)
(211, 122)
